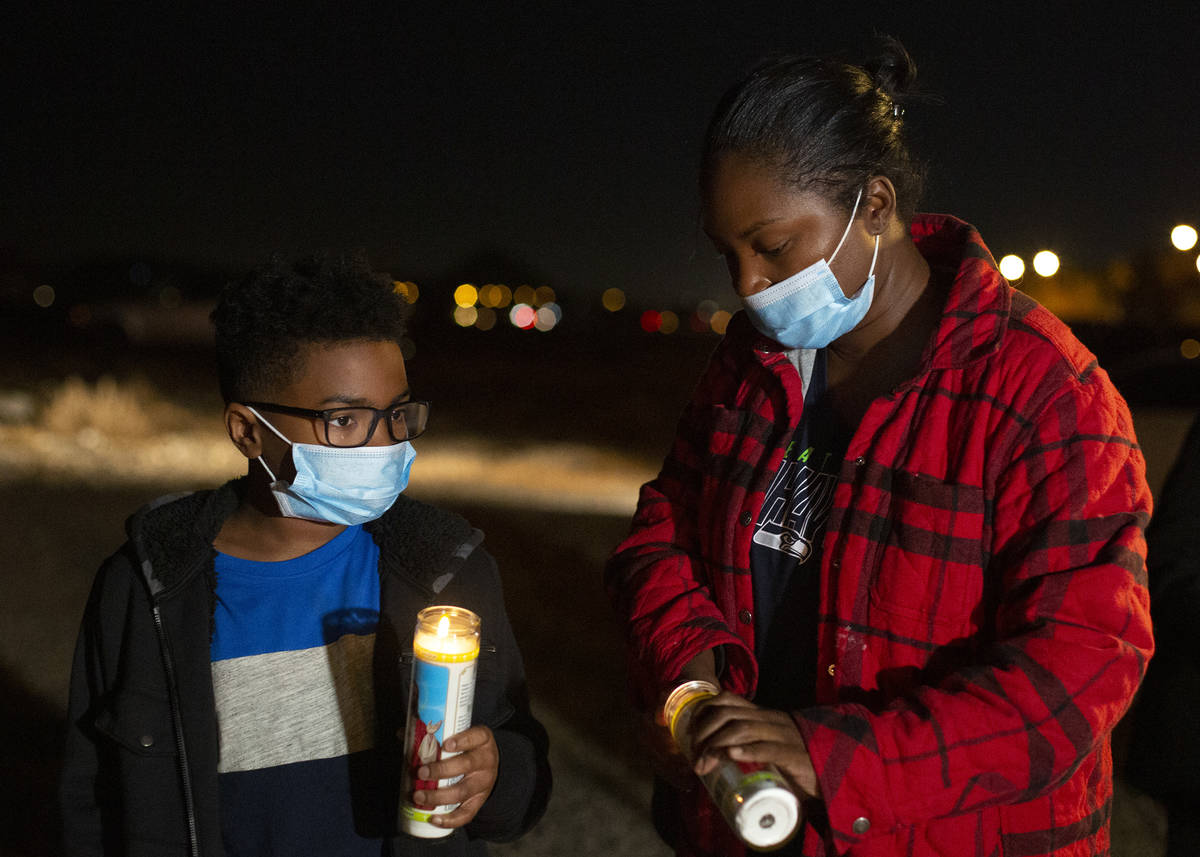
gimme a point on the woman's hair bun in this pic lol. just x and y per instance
(892, 69)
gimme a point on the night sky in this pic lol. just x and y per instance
(563, 138)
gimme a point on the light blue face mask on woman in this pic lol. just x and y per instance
(341, 485)
(809, 308)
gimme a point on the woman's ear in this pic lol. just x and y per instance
(244, 430)
(880, 208)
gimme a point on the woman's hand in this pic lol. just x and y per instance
(738, 729)
(656, 738)
(478, 762)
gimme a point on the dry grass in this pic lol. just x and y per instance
(132, 409)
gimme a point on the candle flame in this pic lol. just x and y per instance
(444, 626)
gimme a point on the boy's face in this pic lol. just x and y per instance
(358, 373)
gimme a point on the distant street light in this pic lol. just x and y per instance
(1045, 263)
(1012, 267)
(1183, 237)
(465, 296)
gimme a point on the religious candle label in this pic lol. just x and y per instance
(441, 697)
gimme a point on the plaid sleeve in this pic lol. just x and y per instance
(1069, 643)
(656, 578)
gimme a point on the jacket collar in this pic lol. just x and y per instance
(979, 302)
(173, 538)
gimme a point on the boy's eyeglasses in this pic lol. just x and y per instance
(356, 426)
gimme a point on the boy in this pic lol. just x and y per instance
(240, 680)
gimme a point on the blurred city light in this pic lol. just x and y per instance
(547, 316)
(543, 295)
(522, 315)
(43, 295)
(524, 295)
(465, 296)
(486, 319)
(613, 299)
(1190, 349)
(1198, 263)
(1183, 237)
(720, 321)
(169, 297)
(1045, 263)
(495, 295)
(465, 316)
(1012, 267)
(668, 322)
(705, 310)
(406, 290)
(651, 321)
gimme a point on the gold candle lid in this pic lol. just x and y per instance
(683, 696)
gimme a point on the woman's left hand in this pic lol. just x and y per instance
(735, 727)
(477, 762)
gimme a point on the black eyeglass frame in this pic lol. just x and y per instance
(377, 415)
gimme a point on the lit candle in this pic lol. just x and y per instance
(441, 695)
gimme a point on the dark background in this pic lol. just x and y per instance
(560, 137)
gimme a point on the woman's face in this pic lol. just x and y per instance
(767, 230)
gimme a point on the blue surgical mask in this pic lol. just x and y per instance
(341, 485)
(809, 308)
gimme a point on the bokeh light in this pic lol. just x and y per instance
(669, 322)
(522, 315)
(1190, 349)
(720, 321)
(1045, 263)
(547, 317)
(543, 295)
(613, 299)
(485, 318)
(465, 316)
(466, 295)
(1183, 237)
(523, 295)
(43, 295)
(406, 290)
(651, 321)
(495, 295)
(1012, 267)
(169, 297)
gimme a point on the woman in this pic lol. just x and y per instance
(901, 522)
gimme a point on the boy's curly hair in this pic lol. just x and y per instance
(262, 319)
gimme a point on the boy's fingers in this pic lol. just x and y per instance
(458, 817)
(475, 737)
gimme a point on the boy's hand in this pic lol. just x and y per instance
(478, 761)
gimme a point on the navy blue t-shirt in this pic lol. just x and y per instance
(785, 557)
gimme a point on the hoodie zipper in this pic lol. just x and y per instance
(177, 720)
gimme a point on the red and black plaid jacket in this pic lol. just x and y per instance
(984, 620)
